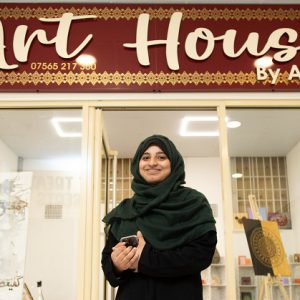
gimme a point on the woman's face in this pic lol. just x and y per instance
(154, 165)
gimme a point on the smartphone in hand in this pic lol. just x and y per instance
(130, 240)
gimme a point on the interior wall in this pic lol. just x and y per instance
(204, 175)
(52, 240)
(8, 159)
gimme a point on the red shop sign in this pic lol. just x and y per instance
(142, 48)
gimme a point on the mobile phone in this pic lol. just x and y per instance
(130, 240)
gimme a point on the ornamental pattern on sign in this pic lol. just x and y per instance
(117, 78)
(155, 13)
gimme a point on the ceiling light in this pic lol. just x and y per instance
(237, 175)
(233, 124)
(57, 124)
(185, 122)
(86, 60)
(264, 62)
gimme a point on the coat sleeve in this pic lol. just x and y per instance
(111, 275)
(186, 260)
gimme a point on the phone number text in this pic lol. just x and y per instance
(70, 66)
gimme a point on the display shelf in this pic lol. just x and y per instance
(246, 272)
(214, 283)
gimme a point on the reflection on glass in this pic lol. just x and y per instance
(30, 147)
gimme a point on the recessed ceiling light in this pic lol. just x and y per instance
(237, 175)
(57, 124)
(233, 124)
(264, 62)
(185, 122)
(86, 60)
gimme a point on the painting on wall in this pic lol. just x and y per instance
(15, 193)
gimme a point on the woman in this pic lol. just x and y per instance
(174, 225)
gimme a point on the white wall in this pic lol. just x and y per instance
(293, 167)
(8, 159)
(53, 243)
(204, 175)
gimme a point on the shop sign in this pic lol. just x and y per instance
(149, 47)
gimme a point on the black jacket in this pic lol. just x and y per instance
(163, 274)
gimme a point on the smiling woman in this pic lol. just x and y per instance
(174, 225)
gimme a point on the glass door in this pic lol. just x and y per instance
(196, 135)
(40, 194)
(264, 153)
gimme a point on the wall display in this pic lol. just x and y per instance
(283, 219)
(15, 192)
(125, 47)
(214, 281)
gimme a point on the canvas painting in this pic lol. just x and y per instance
(266, 248)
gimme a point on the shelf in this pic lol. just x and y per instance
(215, 281)
(217, 265)
(292, 289)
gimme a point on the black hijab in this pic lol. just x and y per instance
(167, 213)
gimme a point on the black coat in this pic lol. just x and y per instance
(163, 274)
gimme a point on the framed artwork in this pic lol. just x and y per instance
(283, 219)
(26, 293)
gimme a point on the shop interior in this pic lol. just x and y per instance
(46, 146)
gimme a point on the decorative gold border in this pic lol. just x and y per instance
(155, 13)
(117, 78)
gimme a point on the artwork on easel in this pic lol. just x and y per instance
(15, 192)
(266, 248)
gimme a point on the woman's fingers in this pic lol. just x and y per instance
(122, 257)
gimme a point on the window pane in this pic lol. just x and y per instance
(265, 151)
(43, 224)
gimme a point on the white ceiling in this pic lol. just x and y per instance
(264, 132)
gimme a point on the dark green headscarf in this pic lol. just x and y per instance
(167, 213)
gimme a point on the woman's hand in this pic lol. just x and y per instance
(123, 257)
(139, 251)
